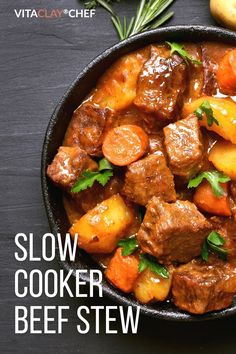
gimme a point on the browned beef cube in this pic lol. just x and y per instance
(183, 143)
(161, 84)
(211, 57)
(200, 287)
(173, 232)
(87, 128)
(134, 116)
(68, 164)
(149, 177)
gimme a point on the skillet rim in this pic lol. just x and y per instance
(208, 33)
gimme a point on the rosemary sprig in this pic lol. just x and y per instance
(106, 6)
(147, 16)
(92, 4)
(147, 12)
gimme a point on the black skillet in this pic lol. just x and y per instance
(58, 123)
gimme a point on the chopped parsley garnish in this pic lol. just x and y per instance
(129, 245)
(178, 48)
(104, 164)
(214, 243)
(214, 178)
(88, 178)
(149, 262)
(206, 109)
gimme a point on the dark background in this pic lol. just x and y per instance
(38, 60)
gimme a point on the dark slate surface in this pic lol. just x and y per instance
(38, 60)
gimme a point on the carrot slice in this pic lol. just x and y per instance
(226, 74)
(122, 271)
(205, 200)
(125, 144)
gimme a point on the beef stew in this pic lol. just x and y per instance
(164, 96)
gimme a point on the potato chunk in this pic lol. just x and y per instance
(100, 229)
(223, 157)
(224, 12)
(151, 287)
(117, 87)
(224, 111)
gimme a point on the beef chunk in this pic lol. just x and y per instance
(211, 57)
(173, 232)
(200, 287)
(147, 121)
(183, 143)
(68, 164)
(149, 177)
(161, 84)
(88, 127)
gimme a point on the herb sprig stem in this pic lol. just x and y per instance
(146, 16)
(107, 7)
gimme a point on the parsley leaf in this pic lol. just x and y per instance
(205, 252)
(88, 178)
(214, 243)
(178, 48)
(206, 109)
(147, 261)
(104, 177)
(104, 164)
(214, 178)
(85, 181)
(216, 239)
(221, 252)
(129, 245)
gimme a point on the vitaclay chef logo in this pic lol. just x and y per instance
(54, 13)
